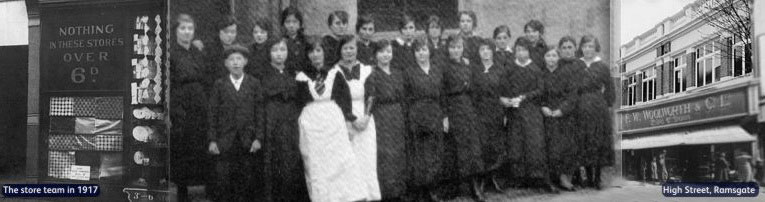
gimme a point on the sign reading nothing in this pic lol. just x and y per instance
(722, 104)
(85, 51)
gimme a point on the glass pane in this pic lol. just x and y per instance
(708, 71)
(708, 48)
(699, 74)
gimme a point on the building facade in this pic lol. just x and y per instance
(689, 96)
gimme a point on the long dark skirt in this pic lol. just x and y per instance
(527, 149)
(595, 136)
(561, 144)
(463, 141)
(391, 150)
(425, 150)
(284, 174)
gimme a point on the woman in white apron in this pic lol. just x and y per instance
(331, 166)
(362, 130)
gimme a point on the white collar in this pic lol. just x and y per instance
(401, 41)
(594, 60)
(524, 64)
(237, 82)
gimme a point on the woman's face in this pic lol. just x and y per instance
(532, 34)
(348, 51)
(422, 54)
(486, 52)
(568, 50)
(366, 31)
(434, 31)
(466, 23)
(235, 63)
(316, 56)
(338, 27)
(588, 49)
(408, 31)
(185, 32)
(455, 50)
(279, 53)
(502, 40)
(292, 25)
(551, 58)
(385, 55)
(228, 35)
(260, 35)
(521, 53)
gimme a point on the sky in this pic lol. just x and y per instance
(638, 16)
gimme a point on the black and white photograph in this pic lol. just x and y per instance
(382, 100)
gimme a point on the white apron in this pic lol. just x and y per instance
(364, 142)
(331, 168)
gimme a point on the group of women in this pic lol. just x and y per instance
(349, 118)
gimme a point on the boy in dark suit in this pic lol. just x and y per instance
(236, 129)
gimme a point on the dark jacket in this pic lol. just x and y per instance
(237, 117)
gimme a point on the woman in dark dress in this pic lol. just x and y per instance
(527, 146)
(403, 51)
(259, 54)
(292, 22)
(558, 101)
(534, 31)
(436, 42)
(284, 173)
(365, 28)
(488, 82)
(594, 114)
(188, 163)
(227, 30)
(468, 23)
(463, 139)
(338, 23)
(569, 57)
(424, 84)
(386, 87)
(504, 51)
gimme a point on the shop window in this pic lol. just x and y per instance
(387, 13)
(707, 63)
(649, 84)
(740, 58)
(631, 90)
(679, 65)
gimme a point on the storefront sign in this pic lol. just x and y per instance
(702, 108)
(85, 51)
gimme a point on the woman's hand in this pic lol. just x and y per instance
(361, 123)
(213, 148)
(505, 101)
(255, 146)
(446, 125)
(547, 112)
(557, 113)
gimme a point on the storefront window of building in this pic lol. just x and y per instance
(679, 69)
(739, 59)
(649, 84)
(707, 63)
(387, 12)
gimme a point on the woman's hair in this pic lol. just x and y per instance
(419, 43)
(536, 25)
(406, 19)
(502, 29)
(182, 18)
(225, 22)
(265, 25)
(273, 42)
(345, 39)
(566, 39)
(313, 43)
(434, 19)
(587, 39)
(381, 45)
(523, 42)
(454, 38)
(486, 42)
(339, 14)
(236, 49)
(363, 20)
(472, 16)
(293, 11)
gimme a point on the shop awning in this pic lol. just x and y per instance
(727, 134)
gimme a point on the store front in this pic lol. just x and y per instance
(102, 97)
(690, 133)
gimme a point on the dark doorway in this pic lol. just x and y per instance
(13, 109)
